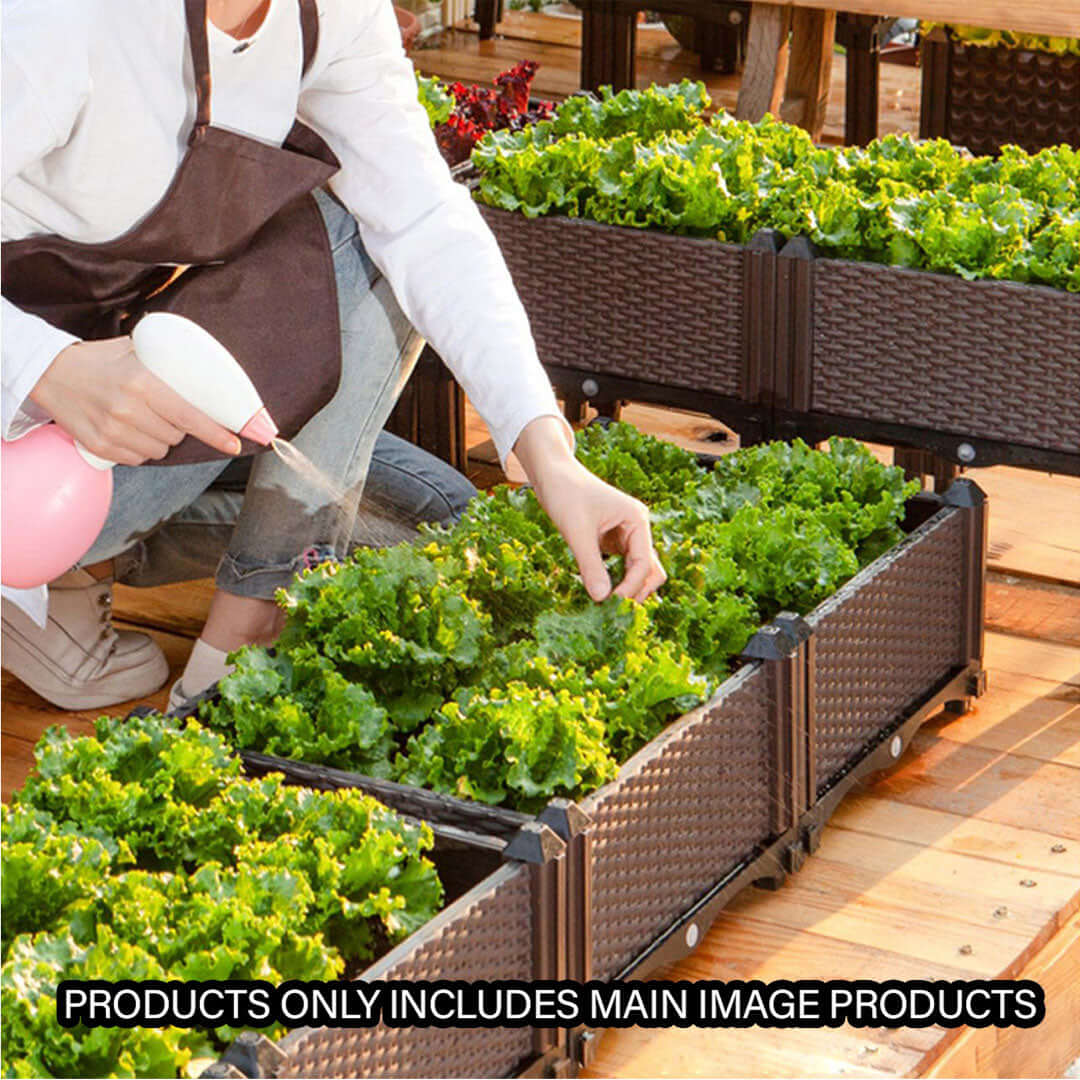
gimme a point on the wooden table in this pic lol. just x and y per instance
(792, 80)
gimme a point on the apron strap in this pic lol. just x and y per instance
(195, 11)
(309, 28)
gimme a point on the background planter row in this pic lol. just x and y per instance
(778, 343)
(646, 307)
(984, 97)
(732, 794)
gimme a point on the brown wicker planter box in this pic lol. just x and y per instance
(732, 794)
(504, 921)
(979, 372)
(985, 97)
(736, 792)
(622, 312)
(487, 934)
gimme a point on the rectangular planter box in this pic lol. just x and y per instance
(737, 791)
(487, 934)
(505, 920)
(692, 817)
(985, 97)
(637, 313)
(913, 358)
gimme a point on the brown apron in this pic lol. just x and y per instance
(260, 277)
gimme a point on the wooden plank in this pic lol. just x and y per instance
(719, 1052)
(180, 609)
(874, 814)
(969, 780)
(1046, 729)
(806, 99)
(1034, 609)
(1034, 523)
(1032, 686)
(842, 904)
(765, 74)
(1059, 17)
(970, 888)
(1044, 1051)
(691, 431)
(743, 946)
(1042, 660)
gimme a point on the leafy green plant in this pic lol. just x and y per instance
(473, 662)
(437, 100)
(924, 205)
(141, 853)
(1010, 39)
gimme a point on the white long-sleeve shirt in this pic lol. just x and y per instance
(98, 101)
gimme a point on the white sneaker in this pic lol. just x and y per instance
(79, 661)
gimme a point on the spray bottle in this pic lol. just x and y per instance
(56, 493)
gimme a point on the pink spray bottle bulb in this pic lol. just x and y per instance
(54, 503)
(56, 494)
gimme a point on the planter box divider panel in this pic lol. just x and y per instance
(981, 373)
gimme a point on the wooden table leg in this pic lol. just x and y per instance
(486, 15)
(813, 33)
(608, 45)
(859, 36)
(765, 72)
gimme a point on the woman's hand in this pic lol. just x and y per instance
(100, 394)
(594, 518)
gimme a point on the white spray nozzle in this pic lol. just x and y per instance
(202, 371)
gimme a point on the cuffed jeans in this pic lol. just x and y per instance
(250, 521)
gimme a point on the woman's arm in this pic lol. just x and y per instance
(426, 235)
(97, 391)
(46, 81)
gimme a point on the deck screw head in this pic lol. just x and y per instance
(965, 950)
(1001, 912)
(965, 452)
(1059, 849)
(692, 935)
(590, 387)
(1027, 883)
(896, 747)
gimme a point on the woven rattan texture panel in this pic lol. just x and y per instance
(994, 360)
(490, 939)
(686, 810)
(884, 638)
(999, 96)
(628, 302)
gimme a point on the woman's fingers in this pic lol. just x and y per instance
(184, 417)
(643, 573)
(585, 545)
(101, 394)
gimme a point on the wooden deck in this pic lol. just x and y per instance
(964, 862)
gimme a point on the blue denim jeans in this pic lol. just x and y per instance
(249, 521)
